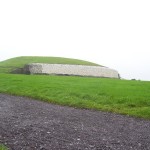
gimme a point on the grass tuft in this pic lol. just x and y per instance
(3, 147)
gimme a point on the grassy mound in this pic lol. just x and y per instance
(119, 96)
(9, 65)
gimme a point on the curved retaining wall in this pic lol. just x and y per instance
(77, 70)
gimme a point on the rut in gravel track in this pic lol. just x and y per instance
(27, 124)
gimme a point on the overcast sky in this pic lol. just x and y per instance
(113, 33)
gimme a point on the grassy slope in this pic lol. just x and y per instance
(18, 62)
(121, 96)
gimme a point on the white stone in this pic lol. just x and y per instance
(76, 70)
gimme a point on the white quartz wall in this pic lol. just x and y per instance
(80, 70)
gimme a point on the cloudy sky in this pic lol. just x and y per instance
(113, 33)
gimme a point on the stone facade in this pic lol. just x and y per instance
(76, 70)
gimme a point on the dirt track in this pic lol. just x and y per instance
(27, 124)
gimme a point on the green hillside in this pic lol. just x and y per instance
(113, 95)
(9, 65)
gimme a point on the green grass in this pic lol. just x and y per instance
(113, 95)
(11, 64)
(2, 147)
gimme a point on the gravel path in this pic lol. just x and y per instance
(27, 124)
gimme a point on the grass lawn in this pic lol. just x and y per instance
(19, 62)
(114, 95)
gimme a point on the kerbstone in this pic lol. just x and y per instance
(65, 69)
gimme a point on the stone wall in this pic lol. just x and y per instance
(77, 70)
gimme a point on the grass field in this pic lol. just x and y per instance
(114, 95)
(19, 62)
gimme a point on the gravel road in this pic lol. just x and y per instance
(27, 124)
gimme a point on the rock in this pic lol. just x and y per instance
(75, 70)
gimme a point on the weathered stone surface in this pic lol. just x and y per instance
(77, 70)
